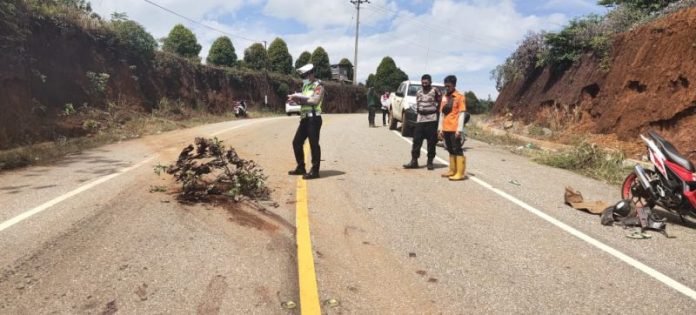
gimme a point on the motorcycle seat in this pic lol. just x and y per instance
(672, 153)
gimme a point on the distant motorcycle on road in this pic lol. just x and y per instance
(670, 184)
(240, 109)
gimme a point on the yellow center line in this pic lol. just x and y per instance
(309, 292)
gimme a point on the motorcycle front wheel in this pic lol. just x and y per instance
(634, 191)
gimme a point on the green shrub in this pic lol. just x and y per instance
(182, 42)
(528, 56)
(90, 125)
(588, 159)
(283, 90)
(222, 53)
(69, 109)
(135, 37)
(98, 82)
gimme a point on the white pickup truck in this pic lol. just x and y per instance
(403, 106)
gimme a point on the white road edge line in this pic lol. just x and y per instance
(683, 289)
(29, 213)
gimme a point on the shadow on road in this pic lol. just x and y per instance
(675, 219)
(330, 173)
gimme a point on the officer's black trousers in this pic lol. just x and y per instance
(371, 115)
(310, 127)
(424, 131)
(453, 144)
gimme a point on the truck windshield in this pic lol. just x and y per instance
(413, 89)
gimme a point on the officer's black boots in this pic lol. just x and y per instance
(313, 173)
(411, 165)
(300, 170)
(430, 165)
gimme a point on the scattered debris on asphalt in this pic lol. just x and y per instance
(288, 305)
(627, 214)
(639, 235)
(575, 199)
(332, 303)
(624, 213)
(209, 170)
(154, 189)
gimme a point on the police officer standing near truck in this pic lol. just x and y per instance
(310, 100)
(427, 100)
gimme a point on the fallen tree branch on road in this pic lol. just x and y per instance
(209, 170)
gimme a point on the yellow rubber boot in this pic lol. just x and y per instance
(452, 167)
(461, 169)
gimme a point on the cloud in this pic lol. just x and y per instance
(327, 14)
(466, 38)
(571, 4)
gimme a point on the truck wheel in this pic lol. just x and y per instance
(404, 125)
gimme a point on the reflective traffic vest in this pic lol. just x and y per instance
(308, 91)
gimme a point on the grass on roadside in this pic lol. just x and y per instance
(589, 160)
(489, 137)
(108, 130)
(584, 158)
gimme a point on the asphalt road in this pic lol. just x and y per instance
(385, 240)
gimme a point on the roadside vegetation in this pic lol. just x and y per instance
(583, 157)
(103, 115)
(117, 123)
(589, 160)
(592, 34)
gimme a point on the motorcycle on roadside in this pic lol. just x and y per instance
(670, 183)
(240, 109)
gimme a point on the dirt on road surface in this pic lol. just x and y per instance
(385, 240)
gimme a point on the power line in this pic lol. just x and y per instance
(203, 24)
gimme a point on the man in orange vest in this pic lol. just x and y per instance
(450, 127)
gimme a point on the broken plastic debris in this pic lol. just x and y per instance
(332, 303)
(638, 235)
(514, 182)
(289, 305)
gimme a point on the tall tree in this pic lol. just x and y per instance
(279, 57)
(346, 63)
(322, 67)
(473, 104)
(303, 59)
(255, 57)
(370, 80)
(182, 42)
(388, 75)
(135, 37)
(222, 53)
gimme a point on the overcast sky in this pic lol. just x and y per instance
(466, 38)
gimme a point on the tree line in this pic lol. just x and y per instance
(276, 58)
(182, 41)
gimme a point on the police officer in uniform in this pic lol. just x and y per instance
(310, 99)
(427, 100)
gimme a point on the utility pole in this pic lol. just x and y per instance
(357, 4)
